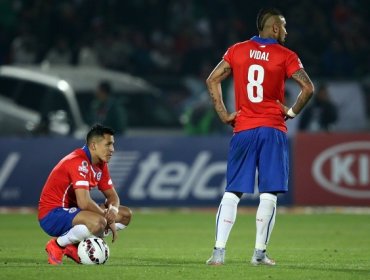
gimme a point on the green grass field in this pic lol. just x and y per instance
(176, 244)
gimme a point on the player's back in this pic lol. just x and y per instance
(260, 68)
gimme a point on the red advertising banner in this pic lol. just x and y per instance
(331, 169)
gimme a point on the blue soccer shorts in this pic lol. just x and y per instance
(59, 220)
(262, 149)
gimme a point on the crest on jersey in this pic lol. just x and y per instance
(83, 167)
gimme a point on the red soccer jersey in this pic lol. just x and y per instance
(260, 68)
(74, 171)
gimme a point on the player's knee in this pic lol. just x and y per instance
(125, 214)
(102, 223)
(98, 226)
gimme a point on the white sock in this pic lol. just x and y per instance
(74, 235)
(225, 218)
(265, 219)
(119, 226)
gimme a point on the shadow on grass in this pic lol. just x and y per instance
(326, 268)
(157, 261)
(172, 262)
(21, 262)
(183, 262)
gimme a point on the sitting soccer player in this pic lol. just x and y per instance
(66, 210)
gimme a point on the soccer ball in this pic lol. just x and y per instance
(93, 250)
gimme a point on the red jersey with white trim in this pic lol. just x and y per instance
(260, 67)
(74, 171)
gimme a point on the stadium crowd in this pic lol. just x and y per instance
(168, 40)
(178, 37)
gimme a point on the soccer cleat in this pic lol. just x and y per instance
(218, 257)
(71, 251)
(107, 232)
(55, 252)
(260, 258)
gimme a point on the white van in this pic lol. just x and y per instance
(31, 96)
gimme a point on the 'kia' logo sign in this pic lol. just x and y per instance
(345, 169)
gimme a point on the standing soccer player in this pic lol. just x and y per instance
(66, 210)
(259, 67)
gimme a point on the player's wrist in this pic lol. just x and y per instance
(113, 208)
(291, 113)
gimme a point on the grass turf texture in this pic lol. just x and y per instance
(175, 245)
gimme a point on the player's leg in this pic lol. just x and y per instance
(124, 215)
(85, 224)
(273, 178)
(240, 179)
(265, 221)
(225, 219)
(56, 223)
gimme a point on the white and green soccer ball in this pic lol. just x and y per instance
(93, 250)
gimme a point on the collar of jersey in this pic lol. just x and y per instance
(87, 152)
(264, 41)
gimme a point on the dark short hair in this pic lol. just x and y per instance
(98, 130)
(264, 14)
(105, 86)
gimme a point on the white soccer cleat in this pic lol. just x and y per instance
(218, 257)
(260, 258)
(106, 233)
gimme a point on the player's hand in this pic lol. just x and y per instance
(230, 118)
(285, 110)
(111, 214)
(113, 228)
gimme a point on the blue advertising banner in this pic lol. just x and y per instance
(147, 171)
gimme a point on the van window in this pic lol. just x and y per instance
(31, 95)
(9, 86)
(43, 99)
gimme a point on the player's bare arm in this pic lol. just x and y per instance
(307, 89)
(112, 211)
(220, 73)
(112, 197)
(112, 204)
(85, 202)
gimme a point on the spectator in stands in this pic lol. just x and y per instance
(178, 36)
(87, 55)
(321, 114)
(106, 110)
(60, 53)
(201, 119)
(24, 48)
(337, 61)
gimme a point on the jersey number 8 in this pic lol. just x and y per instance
(256, 74)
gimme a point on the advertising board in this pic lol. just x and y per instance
(147, 171)
(332, 169)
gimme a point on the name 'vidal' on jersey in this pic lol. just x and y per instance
(259, 55)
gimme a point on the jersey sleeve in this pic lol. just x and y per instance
(228, 56)
(79, 173)
(293, 64)
(105, 181)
